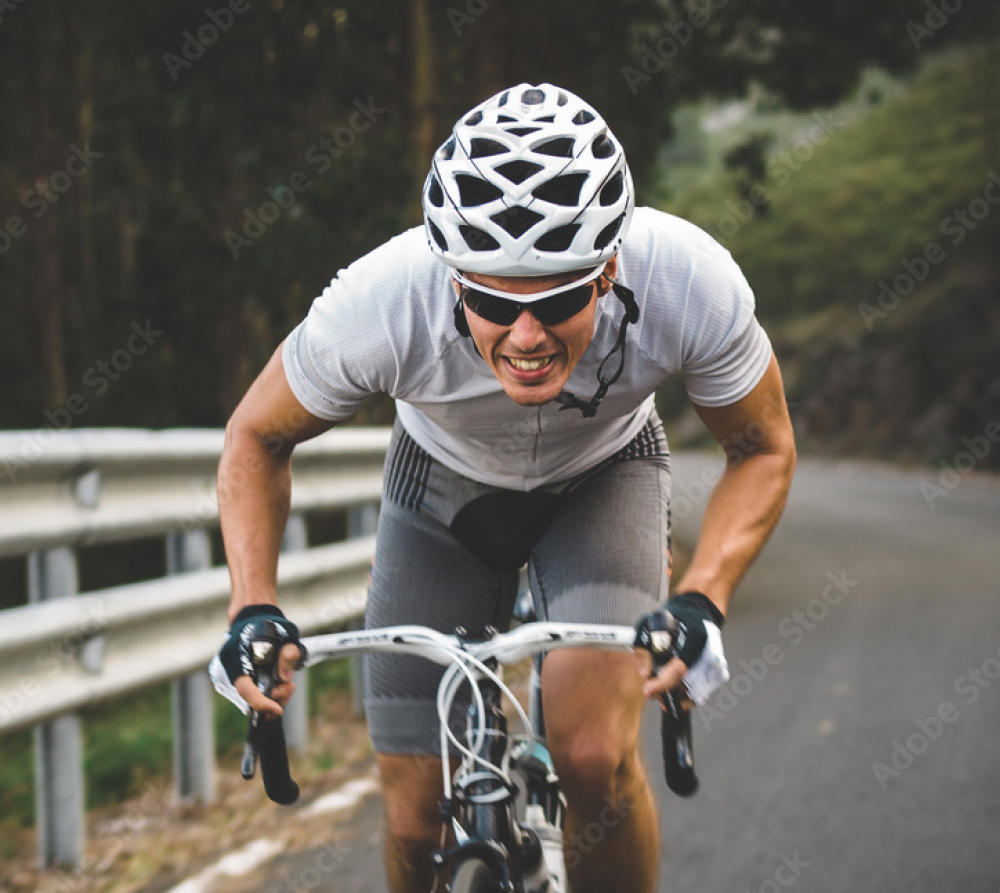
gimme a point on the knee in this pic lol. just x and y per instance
(591, 766)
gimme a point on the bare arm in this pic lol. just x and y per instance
(746, 503)
(255, 482)
(748, 500)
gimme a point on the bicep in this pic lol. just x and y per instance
(757, 423)
(271, 413)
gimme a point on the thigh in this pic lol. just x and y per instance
(422, 575)
(605, 557)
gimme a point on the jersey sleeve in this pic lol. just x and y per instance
(348, 346)
(725, 349)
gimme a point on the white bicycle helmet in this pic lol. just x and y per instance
(531, 182)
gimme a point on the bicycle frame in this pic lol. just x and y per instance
(493, 849)
(480, 798)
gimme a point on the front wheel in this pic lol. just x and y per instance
(472, 876)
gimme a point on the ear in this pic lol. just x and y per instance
(608, 275)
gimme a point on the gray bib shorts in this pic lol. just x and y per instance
(449, 551)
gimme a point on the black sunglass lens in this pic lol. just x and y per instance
(496, 310)
(559, 308)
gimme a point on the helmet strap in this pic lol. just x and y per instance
(589, 407)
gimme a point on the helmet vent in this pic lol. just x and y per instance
(522, 131)
(518, 171)
(503, 99)
(545, 119)
(562, 100)
(438, 236)
(448, 150)
(474, 119)
(612, 189)
(505, 119)
(474, 191)
(532, 97)
(605, 236)
(516, 221)
(583, 117)
(477, 239)
(602, 147)
(558, 239)
(434, 193)
(564, 190)
(561, 147)
(482, 147)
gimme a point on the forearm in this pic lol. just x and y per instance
(742, 511)
(254, 487)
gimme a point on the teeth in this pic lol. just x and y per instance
(528, 365)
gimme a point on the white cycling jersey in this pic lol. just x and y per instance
(386, 325)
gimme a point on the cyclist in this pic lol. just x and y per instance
(522, 332)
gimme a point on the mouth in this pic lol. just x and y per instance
(528, 370)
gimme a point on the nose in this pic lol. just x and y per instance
(527, 334)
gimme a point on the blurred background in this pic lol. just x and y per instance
(178, 180)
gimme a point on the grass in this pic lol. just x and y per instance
(128, 743)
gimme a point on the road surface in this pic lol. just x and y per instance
(857, 745)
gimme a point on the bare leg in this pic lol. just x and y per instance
(593, 705)
(412, 791)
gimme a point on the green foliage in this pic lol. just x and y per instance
(128, 744)
(881, 302)
(194, 135)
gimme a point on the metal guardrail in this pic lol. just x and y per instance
(63, 490)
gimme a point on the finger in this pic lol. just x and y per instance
(288, 660)
(257, 699)
(666, 680)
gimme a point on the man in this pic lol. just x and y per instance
(531, 284)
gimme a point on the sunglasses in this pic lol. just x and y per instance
(560, 304)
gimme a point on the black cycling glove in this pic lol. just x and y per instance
(260, 625)
(691, 610)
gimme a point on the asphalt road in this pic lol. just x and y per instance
(857, 745)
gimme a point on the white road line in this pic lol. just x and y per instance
(348, 795)
(234, 864)
(258, 852)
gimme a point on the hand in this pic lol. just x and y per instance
(260, 656)
(698, 659)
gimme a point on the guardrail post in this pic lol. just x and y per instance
(59, 780)
(362, 520)
(194, 732)
(296, 716)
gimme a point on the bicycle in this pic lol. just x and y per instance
(496, 847)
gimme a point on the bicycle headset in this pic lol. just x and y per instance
(532, 182)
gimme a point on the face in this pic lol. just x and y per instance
(533, 361)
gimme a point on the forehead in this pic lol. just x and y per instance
(524, 285)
